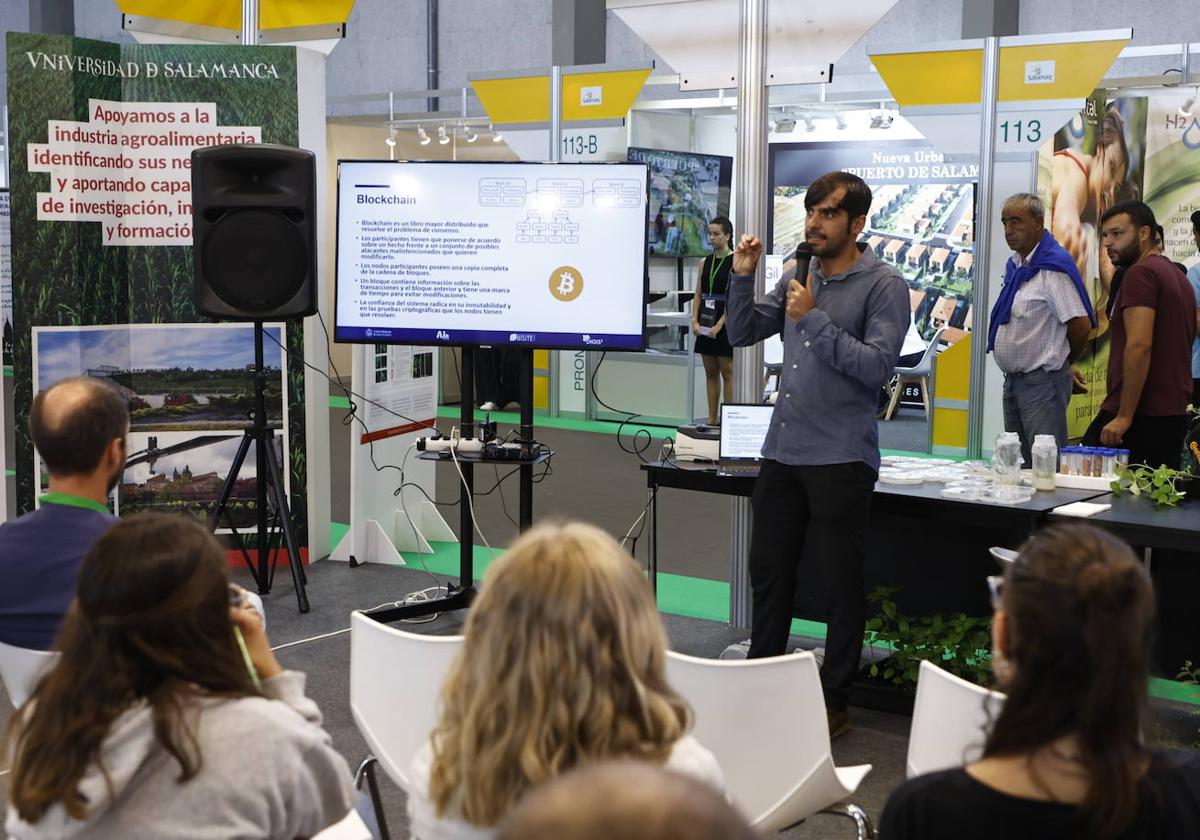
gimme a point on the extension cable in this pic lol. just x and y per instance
(445, 444)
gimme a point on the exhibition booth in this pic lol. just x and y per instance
(561, 214)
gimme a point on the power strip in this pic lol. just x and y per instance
(445, 444)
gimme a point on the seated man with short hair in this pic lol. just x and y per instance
(78, 427)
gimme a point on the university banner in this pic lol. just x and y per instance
(101, 141)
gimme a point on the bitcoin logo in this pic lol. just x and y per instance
(566, 283)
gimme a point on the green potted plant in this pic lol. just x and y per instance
(961, 644)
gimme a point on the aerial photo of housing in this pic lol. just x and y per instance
(925, 230)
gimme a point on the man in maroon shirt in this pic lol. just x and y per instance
(1149, 363)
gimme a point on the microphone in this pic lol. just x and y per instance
(804, 255)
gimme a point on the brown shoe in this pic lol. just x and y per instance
(839, 722)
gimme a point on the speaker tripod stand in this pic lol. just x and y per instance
(269, 481)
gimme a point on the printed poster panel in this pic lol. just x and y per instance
(101, 138)
(922, 219)
(190, 389)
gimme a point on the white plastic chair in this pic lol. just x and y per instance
(764, 720)
(395, 681)
(20, 669)
(950, 720)
(921, 372)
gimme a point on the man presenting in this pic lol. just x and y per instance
(842, 327)
(1153, 327)
(1040, 322)
(78, 427)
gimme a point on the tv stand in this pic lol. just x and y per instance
(461, 596)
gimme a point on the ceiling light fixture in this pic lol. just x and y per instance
(496, 135)
(809, 123)
(469, 135)
(391, 138)
(785, 125)
(422, 135)
(840, 118)
(883, 119)
(443, 135)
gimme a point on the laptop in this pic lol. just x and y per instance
(743, 430)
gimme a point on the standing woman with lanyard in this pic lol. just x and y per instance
(708, 316)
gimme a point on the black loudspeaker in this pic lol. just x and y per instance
(254, 231)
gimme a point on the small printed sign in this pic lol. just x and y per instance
(594, 95)
(1039, 72)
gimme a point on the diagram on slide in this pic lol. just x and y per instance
(547, 218)
(502, 192)
(557, 230)
(617, 192)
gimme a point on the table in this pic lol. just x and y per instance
(892, 505)
(1171, 539)
(1140, 522)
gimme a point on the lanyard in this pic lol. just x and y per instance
(714, 268)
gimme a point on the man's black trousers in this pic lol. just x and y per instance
(820, 512)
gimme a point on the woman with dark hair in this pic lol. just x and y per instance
(708, 317)
(167, 714)
(1066, 757)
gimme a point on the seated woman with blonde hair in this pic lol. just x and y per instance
(167, 714)
(562, 665)
(1066, 757)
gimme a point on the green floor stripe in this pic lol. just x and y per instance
(1173, 690)
(337, 530)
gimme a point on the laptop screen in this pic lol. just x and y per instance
(743, 430)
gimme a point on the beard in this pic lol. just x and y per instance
(1127, 256)
(827, 246)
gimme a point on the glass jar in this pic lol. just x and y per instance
(1007, 459)
(1045, 461)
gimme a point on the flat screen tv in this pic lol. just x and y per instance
(464, 253)
(687, 190)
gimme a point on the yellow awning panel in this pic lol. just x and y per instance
(603, 95)
(526, 99)
(951, 77)
(227, 14)
(1076, 69)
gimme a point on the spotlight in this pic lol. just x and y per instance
(469, 135)
(841, 120)
(422, 135)
(391, 138)
(784, 125)
(809, 123)
(443, 135)
(496, 135)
